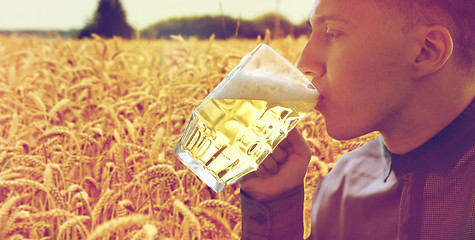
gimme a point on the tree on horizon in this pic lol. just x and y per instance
(206, 26)
(109, 21)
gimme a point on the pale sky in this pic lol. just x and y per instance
(74, 14)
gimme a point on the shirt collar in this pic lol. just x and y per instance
(440, 153)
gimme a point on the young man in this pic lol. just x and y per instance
(403, 68)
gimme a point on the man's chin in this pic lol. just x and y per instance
(342, 133)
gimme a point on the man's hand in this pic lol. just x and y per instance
(281, 171)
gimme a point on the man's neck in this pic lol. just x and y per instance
(429, 113)
(420, 133)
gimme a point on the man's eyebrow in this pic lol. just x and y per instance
(332, 17)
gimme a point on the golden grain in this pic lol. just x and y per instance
(191, 227)
(117, 224)
(36, 161)
(220, 228)
(54, 213)
(4, 214)
(22, 184)
(225, 208)
(124, 207)
(147, 232)
(87, 129)
(25, 172)
(101, 206)
(16, 237)
(75, 222)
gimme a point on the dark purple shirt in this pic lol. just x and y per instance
(371, 193)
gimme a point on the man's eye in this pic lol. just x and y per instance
(328, 33)
(331, 33)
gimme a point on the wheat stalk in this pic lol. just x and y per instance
(220, 227)
(190, 222)
(223, 207)
(4, 212)
(103, 202)
(117, 224)
(72, 222)
(22, 183)
(51, 214)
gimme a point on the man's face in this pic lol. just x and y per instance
(360, 65)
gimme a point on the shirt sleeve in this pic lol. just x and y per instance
(279, 217)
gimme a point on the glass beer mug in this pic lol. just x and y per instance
(244, 118)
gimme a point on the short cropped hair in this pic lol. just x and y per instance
(458, 16)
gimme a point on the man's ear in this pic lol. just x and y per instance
(436, 47)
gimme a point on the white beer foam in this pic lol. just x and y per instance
(262, 86)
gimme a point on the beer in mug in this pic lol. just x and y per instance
(244, 118)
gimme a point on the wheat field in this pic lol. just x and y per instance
(87, 129)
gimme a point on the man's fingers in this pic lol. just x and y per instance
(285, 144)
(299, 144)
(267, 168)
(279, 155)
(271, 165)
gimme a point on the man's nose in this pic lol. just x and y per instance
(311, 61)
